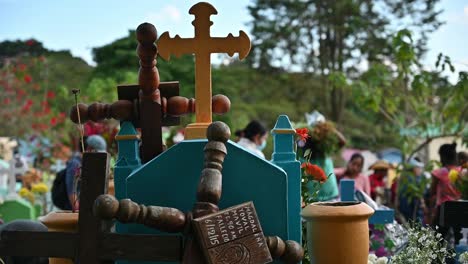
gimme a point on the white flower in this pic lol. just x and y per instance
(372, 258)
(463, 259)
(382, 260)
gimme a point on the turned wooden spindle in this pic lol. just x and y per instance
(148, 75)
(210, 186)
(179, 105)
(120, 110)
(290, 252)
(166, 219)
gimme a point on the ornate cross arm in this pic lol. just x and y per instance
(166, 219)
(121, 110)
(124, 110)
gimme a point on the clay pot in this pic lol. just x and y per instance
(338, 232)
(60, 221)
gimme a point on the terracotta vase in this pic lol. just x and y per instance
(338, 232)
(60, 221)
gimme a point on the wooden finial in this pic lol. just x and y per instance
(148, 76)
(162, 218)
(218, 131)
(276, 246)
(221, 104)
(290, 252)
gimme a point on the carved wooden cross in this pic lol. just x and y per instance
(202, 46)
(149, 104)
(94, 244)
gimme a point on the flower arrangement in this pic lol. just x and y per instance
(463, 259)
(425, 245)
(321, 140)
(26, 194)
(460, 180)
(380, 243)
(310, 172)
(40, 188)
(373, 259)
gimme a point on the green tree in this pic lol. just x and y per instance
(420, 105)
(333, 36)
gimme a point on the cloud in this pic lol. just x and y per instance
(167, 13)
(465, 11)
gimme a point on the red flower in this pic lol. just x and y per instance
(50, 95)
(53, 121)
(29, 102)
(21, 92)
(27, 78)
(315, 171)
(303, 133)
(22, 67)
(6, 101)
(30, 42)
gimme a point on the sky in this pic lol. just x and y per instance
(79, 26)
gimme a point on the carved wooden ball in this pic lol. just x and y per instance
(106, 206)
(218, 131)
(146, 33)
(294, 252)
(221, 104)
(83, 113)
(276, 246)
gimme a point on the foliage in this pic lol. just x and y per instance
(411, 186)
(333, 37)
(34, 83)
(425, 245)
(28, 101)
(420, 105)
(380, 243)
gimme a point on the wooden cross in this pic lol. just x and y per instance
(202, 46)
(93, 244)
(150, 104)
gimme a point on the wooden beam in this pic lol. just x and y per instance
(94, 174)
(38, 244)
(167, 90)
(140, 247)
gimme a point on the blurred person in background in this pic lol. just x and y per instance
(254, 138)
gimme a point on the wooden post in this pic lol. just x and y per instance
(92, 186)
(284, 156)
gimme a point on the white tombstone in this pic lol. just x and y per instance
(18, 166)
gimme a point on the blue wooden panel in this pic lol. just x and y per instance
(381, 216)
(347, 190)
(171, 179)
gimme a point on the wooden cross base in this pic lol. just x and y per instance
(196, 130)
